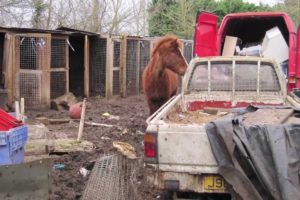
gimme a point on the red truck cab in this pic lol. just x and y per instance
(250, 27)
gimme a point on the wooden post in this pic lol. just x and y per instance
(8, 66)
(109, 68)
(86, 66)
(81, 124)
(67, 65)
(17, 110)
(44, 62)
(138, 67)
(123, 55)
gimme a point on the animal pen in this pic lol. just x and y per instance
(40, 65)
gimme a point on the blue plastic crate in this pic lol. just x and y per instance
(12, 144)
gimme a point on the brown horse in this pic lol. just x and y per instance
(160, 77)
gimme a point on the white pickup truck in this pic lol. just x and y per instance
(176, 142)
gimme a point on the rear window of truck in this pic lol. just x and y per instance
(229, 76)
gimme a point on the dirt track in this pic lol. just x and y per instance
(132, 112)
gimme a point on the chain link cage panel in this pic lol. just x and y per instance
(58, 53)
(131, 67)
(188, 50)
(58, 84)
(98, 66)
(116, 64)
(31, 51)
(29, 86)
(144, 58)
(112, 178)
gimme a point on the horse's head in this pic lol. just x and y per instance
(169, 49)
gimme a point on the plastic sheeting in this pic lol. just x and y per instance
(258, 161)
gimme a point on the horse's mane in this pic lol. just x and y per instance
(162, 42)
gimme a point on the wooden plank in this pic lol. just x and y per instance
(67, 66)
(7, 66)
(15, 52)
(123, 55)
(138, 68)
(109, 67)
(46, 70)
(86, 66)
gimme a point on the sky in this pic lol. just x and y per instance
(270, 2)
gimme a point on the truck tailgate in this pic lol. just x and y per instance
(186, 146)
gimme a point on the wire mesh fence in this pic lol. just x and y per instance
(116, 67)
(59, 58)
(188, 50)
(144, 58)
(58, 84)
(112, 178)
(29, 86)
(131, 66)
(58, 53)
(98, 66)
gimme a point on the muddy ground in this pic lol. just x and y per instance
(132, 112)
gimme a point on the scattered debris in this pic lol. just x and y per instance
(124, 131)
(125, 149)
(59, 121)
(63, 102)
(59, 166)
(43, 120)
(98, 124)
(138, 132)
(114, 117)
(84, 172)
(105, 138)
(106, 114)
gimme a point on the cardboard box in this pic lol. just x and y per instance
(274, 45)
(230, 45)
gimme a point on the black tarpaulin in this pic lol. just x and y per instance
(258, 161)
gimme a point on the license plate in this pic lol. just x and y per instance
(214, 182)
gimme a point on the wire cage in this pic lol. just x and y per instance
(132, 67)
(144, 58)
(116, 67)
(112, 178)
(32, 65)
(188, 50)
(58, 80)
(98, 50)
(29, 86)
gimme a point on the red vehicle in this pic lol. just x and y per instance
(250, 27)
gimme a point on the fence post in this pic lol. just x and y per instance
(86, 66)
(123, 55)
(109, 68)
(138, 66)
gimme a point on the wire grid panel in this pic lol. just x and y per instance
(58, 53)
(131, 67)
(112, 178)
(58, 84)
(246, 77)
(29, 84)
(221, 76)
(144, 57)
(32, 51)
(98, 66)
(188, 50)
(268, 79)
(116, 67)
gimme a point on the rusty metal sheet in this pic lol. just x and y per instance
(26, 181)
